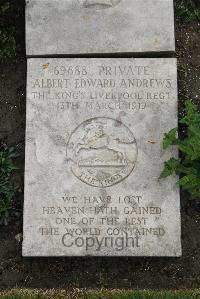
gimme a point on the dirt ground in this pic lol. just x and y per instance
(141, 273)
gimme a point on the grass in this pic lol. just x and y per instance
(7, 43)
(99, 294)
(7, 167)
(188, 10)
(7, 35)
(142, 295)
(4, 7)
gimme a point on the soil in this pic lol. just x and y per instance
(137, 273)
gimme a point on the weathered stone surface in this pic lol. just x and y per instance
(94, 156)
(93, 26)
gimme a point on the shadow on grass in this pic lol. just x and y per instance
(99, 294)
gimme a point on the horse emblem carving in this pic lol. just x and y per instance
(101, 152)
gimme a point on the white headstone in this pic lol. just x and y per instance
(99, 26)
(94, 156)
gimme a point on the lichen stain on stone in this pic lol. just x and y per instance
(30, 4)
(87, 18)
(119, 117)
(156, 40)
(29, 19)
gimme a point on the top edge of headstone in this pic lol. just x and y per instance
(76, 27)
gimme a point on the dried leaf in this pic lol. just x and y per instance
(19, 237)
(45, 66)
(152, 141)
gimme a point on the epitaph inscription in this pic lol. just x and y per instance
(94, 156)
